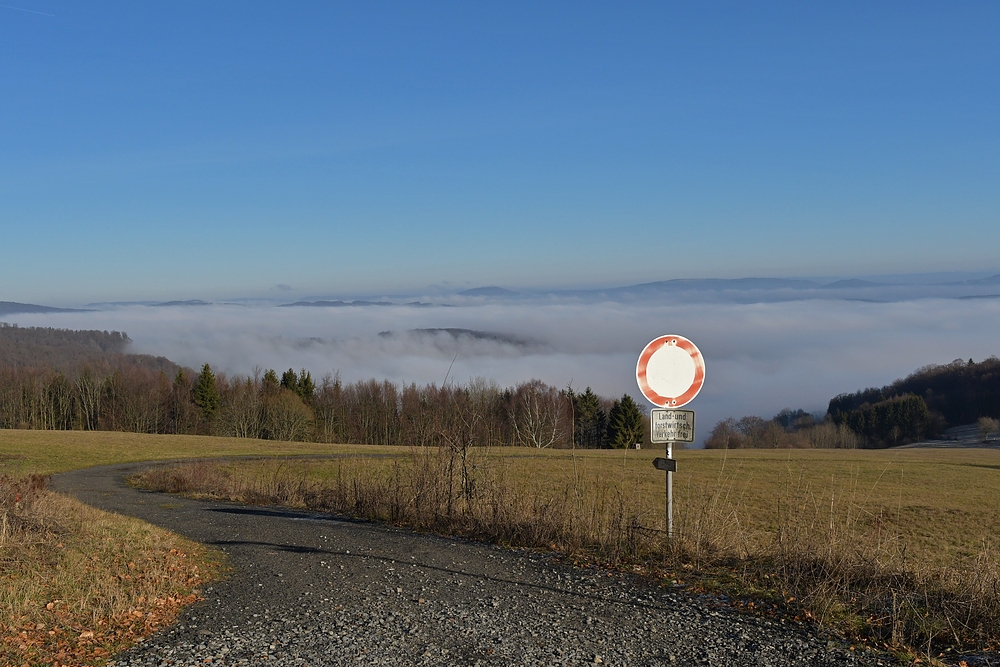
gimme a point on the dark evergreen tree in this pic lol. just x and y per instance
(206, 394)
(305, 387)
(591, 424)
(269, 383)
(625, 427)
(290, 381)
(894, 421)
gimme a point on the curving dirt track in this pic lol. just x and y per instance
(310, 589)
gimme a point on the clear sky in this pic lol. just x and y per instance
(219, 149)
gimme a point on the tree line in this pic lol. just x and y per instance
(787, 430)
(894, 421)
(911, 409)
(954, 394)
(126, 396)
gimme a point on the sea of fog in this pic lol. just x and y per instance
(760, 357)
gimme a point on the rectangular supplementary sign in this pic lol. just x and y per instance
(671, 425)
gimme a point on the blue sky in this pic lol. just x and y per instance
(208, 150)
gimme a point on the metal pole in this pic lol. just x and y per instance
(670, 494)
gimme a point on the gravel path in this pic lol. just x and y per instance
(307, 589)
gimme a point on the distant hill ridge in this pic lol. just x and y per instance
(66, 350)
(461, 333)
(336, 304)
(13, 308)
(488, 291)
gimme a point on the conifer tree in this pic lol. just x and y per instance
(269, 384)
(625, 423)
(290, 381)
(206, 394)
(591, 422)
(305, 387)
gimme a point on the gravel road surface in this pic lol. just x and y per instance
(308, 589)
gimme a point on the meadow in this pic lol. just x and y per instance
(892, 547)
(77, 584)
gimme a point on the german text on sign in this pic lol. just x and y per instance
(671, 425)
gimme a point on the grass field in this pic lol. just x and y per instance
(944, 502)
(48, 452)
(897, 546)
(76, 584)
(893, 547)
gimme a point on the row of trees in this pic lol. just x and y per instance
(131, 397)
(893, 421)
(957, 393)
(100, 397)
(885, 423)
(916, 407)
(786, 430)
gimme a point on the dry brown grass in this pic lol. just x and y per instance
(896, 546)
(891, 547)
(79, 584)
(25, 452)
(67, 570)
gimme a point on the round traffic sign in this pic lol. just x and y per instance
(670, 371)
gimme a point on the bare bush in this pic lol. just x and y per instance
(987, 426)
(827, 554)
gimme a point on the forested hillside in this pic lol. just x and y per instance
(914, 408)
(65, 350)
(957, 393)
(57, 379)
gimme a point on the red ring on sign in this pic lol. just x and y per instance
(699, 372)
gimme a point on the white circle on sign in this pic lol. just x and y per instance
(670, 371)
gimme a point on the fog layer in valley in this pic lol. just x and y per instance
(760, 357)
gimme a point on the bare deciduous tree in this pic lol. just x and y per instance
(987, 427)
(534, 415)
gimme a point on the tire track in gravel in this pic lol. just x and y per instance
(308, 589)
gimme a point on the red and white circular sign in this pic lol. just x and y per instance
(670, 371)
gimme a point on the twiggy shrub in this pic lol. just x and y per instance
(825, 551)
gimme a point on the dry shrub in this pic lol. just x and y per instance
(79, 584)
(827, 555)
(843, 564)
(437, 489)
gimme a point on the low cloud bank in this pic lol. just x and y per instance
(760, 357)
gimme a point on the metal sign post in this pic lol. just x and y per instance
(670, 426)
(670, 493)
(670, 373)
(668, 464)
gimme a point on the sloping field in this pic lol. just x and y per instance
(896, 546)
(77, 584)
(944, 505)
(47, 452)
